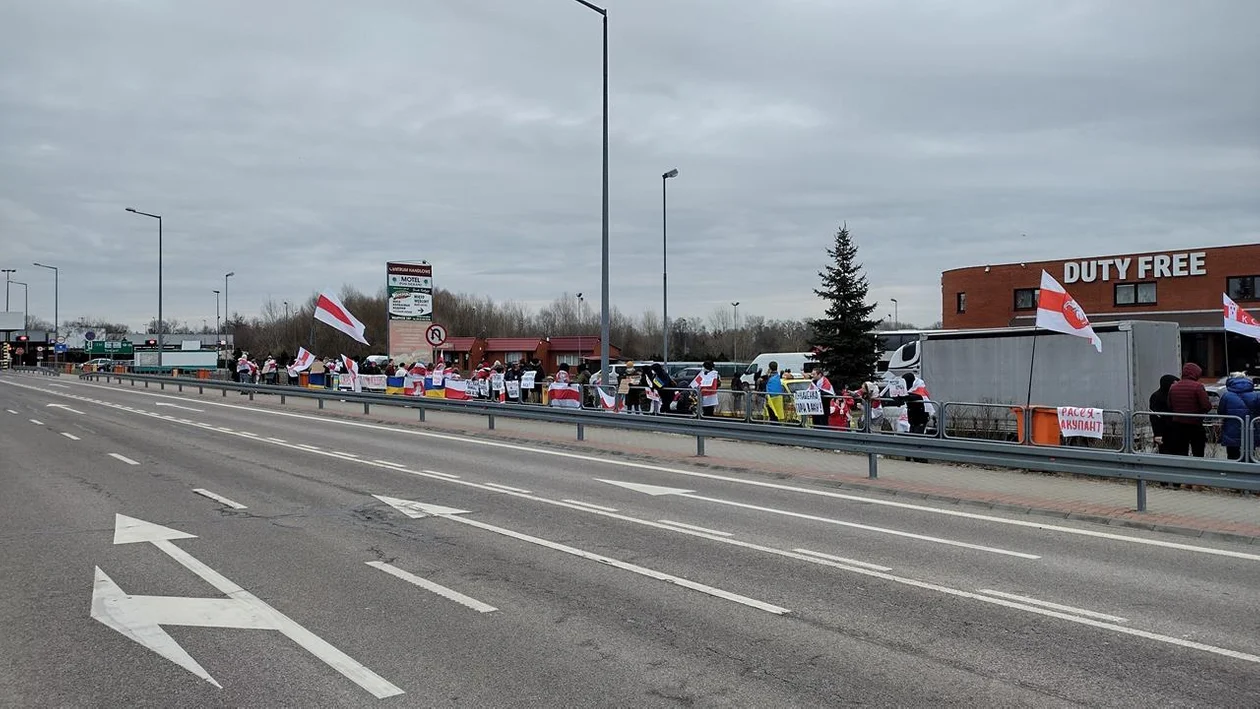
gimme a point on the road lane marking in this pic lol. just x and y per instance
(276, 440)
(658, 490)
(59, 386)
(308, 446)
(448, 476)
(63, 406)
(251, 434)
(140, 618)
(409, 508)
(344, 454)
(437, 588)
(694, 527)
(509, 488)
(123, 458)
(177, 406)
(37, 422)
(71, 436)
(591, 505)
(843, 560)
(12, 412)
(219, 498)
(1055, 606)
(382, 462)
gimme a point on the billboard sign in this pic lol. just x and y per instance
(408, 309)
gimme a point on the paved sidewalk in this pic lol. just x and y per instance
(1194, 513)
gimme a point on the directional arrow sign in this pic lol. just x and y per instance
(177, 406)
(657, 490)
(63, 406)
(141, 617)
(417, 510)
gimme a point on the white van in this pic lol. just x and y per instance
(798, 362)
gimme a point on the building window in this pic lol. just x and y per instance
(1026, 298)
(511, 357)
(570, 359)
(960, 302)
(1135, 294)
(1243, 287)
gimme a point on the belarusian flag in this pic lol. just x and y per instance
(1058, 311)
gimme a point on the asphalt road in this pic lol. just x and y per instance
(549, 578)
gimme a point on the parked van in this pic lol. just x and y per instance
(798, 362)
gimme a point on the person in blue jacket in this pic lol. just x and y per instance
(1240, 399)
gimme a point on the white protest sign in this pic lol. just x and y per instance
(496, 381)
(1078, 422)
(808, 402)
(527, 379)
(514, 390)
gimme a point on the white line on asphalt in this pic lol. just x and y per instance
(307, 446)
(508, 488)
(123, 458)
(177, 406)
(1055, 606)
(219, 498)
(843, 560)
(276, 440)
(1111, 536)
(251, 434)
(225, 430)
(71, 436)
(382, 462)
(725, 478)
(64, 407)
(60, 386)
(694, 527)
(12, 412)
(827, 562)
(437, 588)
(344, 454)
(448, 476)
(623, 565)
(37, 422)
(591, 505)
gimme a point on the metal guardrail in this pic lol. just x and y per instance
(1123, 464)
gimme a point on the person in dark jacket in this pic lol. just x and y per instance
(1158, 404)
(1240, 400)
(1188, 396)
(916, 411)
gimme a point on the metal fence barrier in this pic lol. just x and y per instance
(945, 443)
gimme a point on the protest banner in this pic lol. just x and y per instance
(1080, 422)
(808, 402)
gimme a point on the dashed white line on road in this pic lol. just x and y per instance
(59, 386)
(71, 436)
(1054, 606)
(344, 454)
(591, 505)
(448, 476)
(251, 434)
(508, 488)
(276, 440)
(12, 412)
(308, 446)
(694, 527)
(437, 588)
(219, 498)
(390, 464)
(123, 458)
(37, 422)
(225, 430)
(843, 560)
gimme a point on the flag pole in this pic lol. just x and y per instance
(1032, 364)
(1226, 352)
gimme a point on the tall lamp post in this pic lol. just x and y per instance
(735, 347)
(603, 306)
(218, 334)
(896, 317)
(227, 314)
(581, 309)
(56, 299)
(160, 324)
(665, 267)
(8, 274)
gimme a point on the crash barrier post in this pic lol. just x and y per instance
(1137, 465)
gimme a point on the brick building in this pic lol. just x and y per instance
(1173, 286)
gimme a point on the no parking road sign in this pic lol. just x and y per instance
(435, 335)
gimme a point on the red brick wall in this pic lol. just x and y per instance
(991, 293)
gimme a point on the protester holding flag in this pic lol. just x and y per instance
(351, 372)
(707, 383)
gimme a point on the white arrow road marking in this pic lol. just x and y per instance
(71, 436)
(418, 509)
(657, 490)
(437, 588)
(141, 617)
(1055, 606)
(123, 458)
(37, 422)
(177, 406)
(219, 498)
(517, 448)
(63, 406)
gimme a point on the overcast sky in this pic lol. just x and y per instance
(303, 144)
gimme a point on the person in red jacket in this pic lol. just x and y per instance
(1187, 396)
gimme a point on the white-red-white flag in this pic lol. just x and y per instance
(1239, 320)
(330, 311)
(302, 362)
(352, 372)
(1058, 311)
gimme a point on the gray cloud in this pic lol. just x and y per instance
(302, 144)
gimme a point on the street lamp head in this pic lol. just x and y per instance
(215, 292)
(230, 274)
(893, 300)
(579, 296)
(671, 173)
(735, 304)
(131, 209)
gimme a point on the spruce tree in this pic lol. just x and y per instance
(845, 337)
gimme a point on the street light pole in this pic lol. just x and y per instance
(603, 307)
(8, 274)
(160, 324)
(735, 346)
(56, 299)
(286, 310)
(665, 267)
(581, 353)
(896, 317)
(217, 333)
(227, 314)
